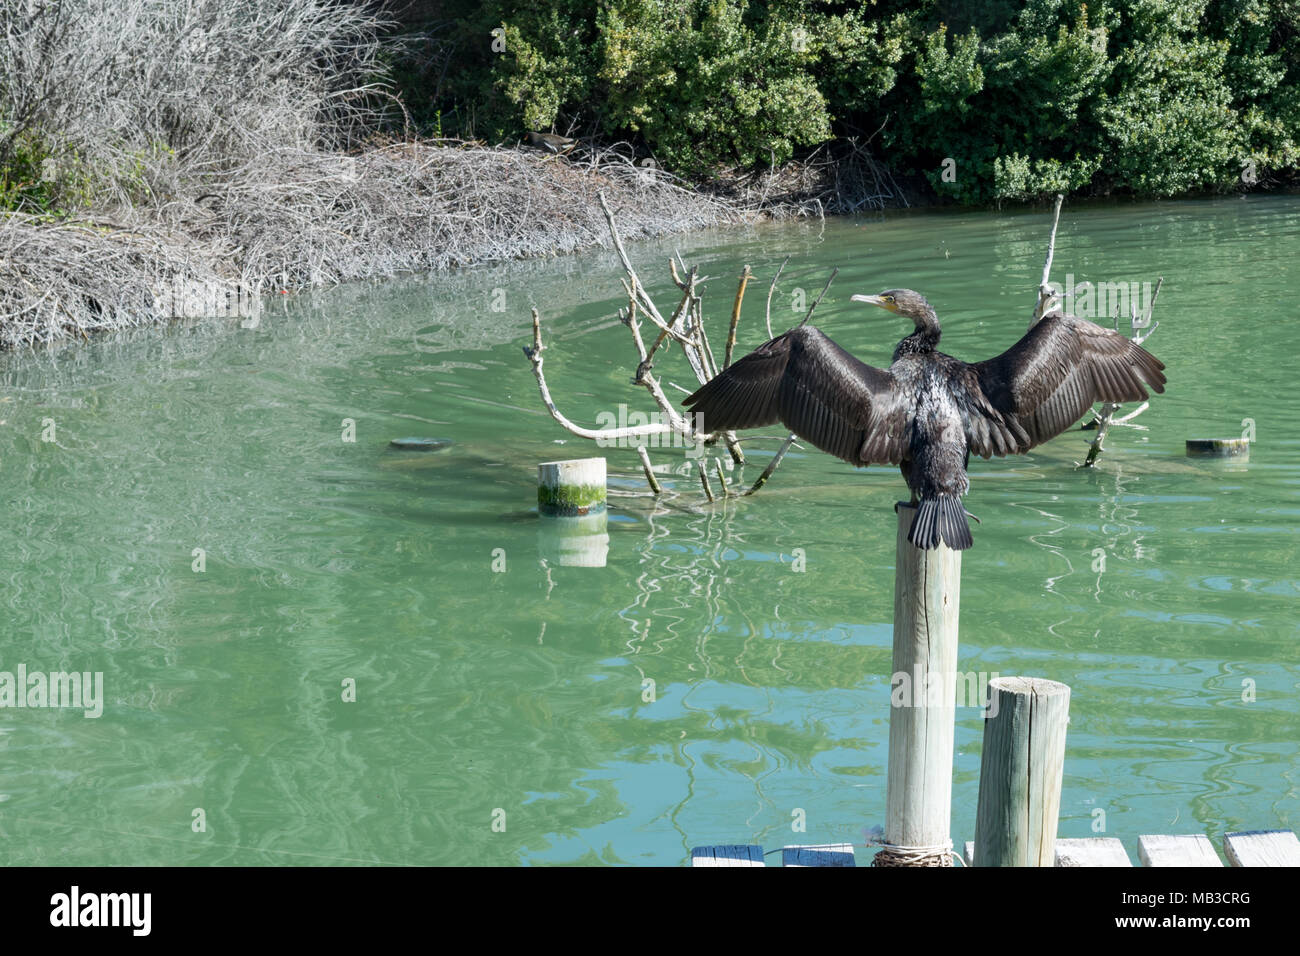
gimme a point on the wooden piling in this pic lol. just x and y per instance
(569, 488)
(1020, 772)
(918, 805)
(1218, 447)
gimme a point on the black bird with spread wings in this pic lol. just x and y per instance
(928, 411)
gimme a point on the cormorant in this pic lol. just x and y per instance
(928, 411)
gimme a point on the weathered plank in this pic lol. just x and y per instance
(827, 854)
(733, 854)
(1262, 848)
(1091, 851)
(1185, 850)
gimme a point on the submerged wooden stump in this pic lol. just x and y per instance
(918, 804)
(1218, 447)
(571, 488)
(421, 444)
(1020, 772)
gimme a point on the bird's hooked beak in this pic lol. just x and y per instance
(875, 300)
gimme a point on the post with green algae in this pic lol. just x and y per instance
(571, 488)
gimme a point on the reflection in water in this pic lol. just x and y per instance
(580, 541)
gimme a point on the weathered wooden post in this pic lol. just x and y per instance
(918, 804)
(571, 496)
(1020, 772)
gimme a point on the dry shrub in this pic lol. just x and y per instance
(309, 217)
(221, 145)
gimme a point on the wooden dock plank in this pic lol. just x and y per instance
(1262, 848)
(826, 854)
(1091, 851)
(732, 854)
(1184, 850)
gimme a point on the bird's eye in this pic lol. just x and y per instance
(889, 298)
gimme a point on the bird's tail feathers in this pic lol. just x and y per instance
(941, 518)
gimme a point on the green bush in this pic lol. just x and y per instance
(36, 180)
(1142, 97)
(1129, 97)
(711, 88)
(704, 83)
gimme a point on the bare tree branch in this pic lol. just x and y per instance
(770, 290)
(675, 423)
(704, 480)
(834, 273)
(649, 470)
(1045, 293)
(745, 276)
(773, 464)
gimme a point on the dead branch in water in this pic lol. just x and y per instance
(685, 326)
(745, 276)
(770, 290)
(1047, 297)
(1106, 416)
(1045, 292)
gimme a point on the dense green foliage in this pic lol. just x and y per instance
(987, 100)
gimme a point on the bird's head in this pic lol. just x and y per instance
(903, 302)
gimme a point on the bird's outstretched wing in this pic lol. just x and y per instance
(1061, 367)
(817, 390)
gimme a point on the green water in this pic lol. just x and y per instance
(521, 690)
